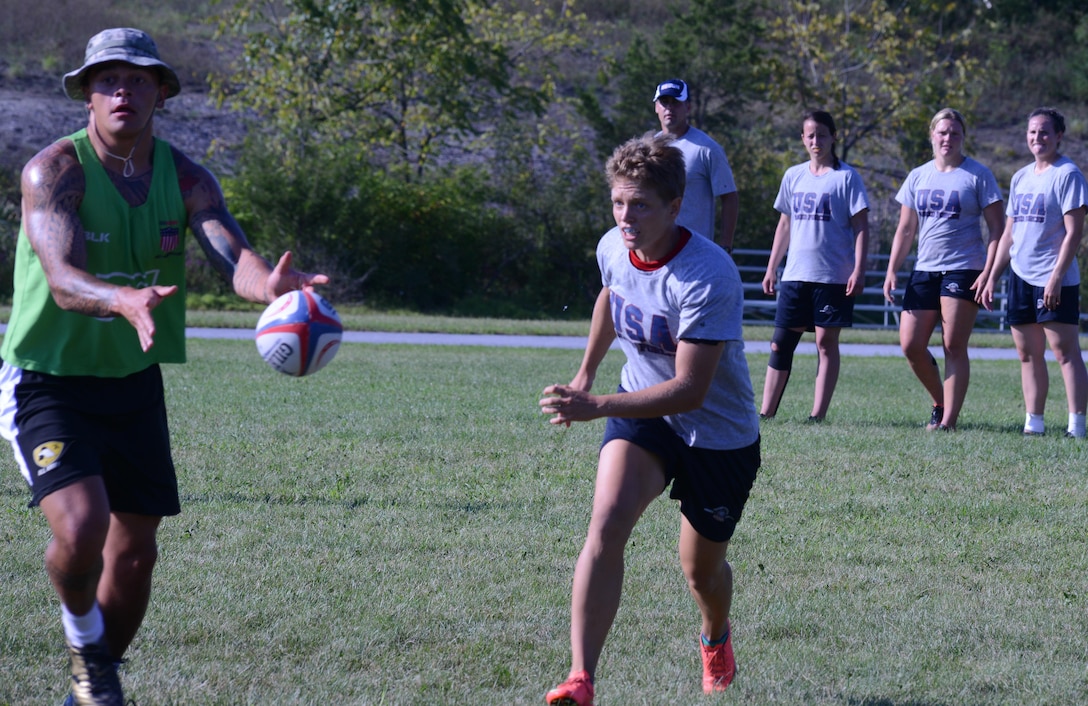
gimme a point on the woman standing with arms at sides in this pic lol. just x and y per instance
(824, 233)
(943, 202)
(1043, 229)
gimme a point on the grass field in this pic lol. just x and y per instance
(402, 528)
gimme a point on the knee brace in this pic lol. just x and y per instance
(783, 343)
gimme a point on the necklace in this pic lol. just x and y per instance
(129, 168)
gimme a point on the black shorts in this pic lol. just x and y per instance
(1026, 304)
(711, 485)
(925, 289)
(810, 304)
(66, 428)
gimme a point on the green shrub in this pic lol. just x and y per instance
(514, 237)
(380, 239)
(9, 228)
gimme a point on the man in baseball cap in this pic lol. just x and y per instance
(98, 306)
(709, 177)
(673, 88)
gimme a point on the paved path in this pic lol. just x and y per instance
(579, 342)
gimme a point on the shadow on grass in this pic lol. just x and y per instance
(991, 427)
(346, 502)
(833, 421)
(877, 701)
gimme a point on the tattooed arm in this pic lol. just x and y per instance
(225, 244)
(53, 187)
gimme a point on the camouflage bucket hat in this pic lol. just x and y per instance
(131, 46)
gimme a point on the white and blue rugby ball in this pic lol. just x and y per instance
(299, 333)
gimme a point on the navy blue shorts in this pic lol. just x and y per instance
(925, 289)
(66, 428)
(1026, 304)
(712, 485)
(810, 304)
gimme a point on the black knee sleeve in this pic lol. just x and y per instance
(783, 344)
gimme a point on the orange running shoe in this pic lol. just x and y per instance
(577, 690)
(719, 666)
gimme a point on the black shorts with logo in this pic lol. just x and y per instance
(810, 304)
(711, 485)
(64, 428)
(1026, 304)
(925, 289)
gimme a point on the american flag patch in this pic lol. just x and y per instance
(169, 233)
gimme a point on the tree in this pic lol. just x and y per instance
(713, 45)
(718, 48)
(423, 148)
(402, 82)
(881, 68)
(10, 215)
(1028, 11)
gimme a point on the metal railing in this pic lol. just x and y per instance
(871, 309)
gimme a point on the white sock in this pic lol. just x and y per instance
(83, 629)
(1033, 423)
(1076, 424)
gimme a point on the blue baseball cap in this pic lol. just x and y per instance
(674, 88)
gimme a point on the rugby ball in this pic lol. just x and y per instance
(299, 333)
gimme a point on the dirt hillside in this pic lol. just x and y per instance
(35, 112)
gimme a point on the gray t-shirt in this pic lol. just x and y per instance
(708, 178)
(1037, 206)
(949, 207)
(695, 294)
(820, 208)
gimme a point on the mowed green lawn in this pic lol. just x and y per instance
(402, 528)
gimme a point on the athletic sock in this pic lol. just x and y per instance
(1033, 423)
(1076, 424)
(714, 643)
(83, 630)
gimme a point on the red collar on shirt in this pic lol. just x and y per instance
(685, 236)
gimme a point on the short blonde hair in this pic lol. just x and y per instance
(651, 161)
(948, 114)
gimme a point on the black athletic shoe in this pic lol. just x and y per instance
(935, 417)
(94, 677)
